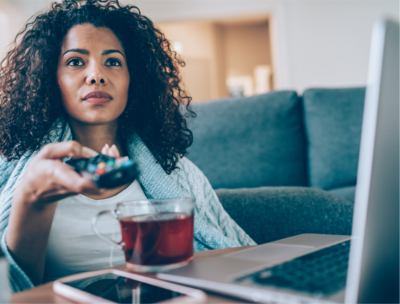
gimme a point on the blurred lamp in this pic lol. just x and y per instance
(178, 47)
(262, 75)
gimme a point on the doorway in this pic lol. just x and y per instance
(224, 58)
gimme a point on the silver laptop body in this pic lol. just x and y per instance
(373, 266)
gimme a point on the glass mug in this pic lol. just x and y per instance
(157, 234)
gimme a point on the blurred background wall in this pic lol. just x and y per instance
(11, 21)
(245, 47)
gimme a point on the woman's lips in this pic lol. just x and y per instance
(97, 97)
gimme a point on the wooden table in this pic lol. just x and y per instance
(44, 293)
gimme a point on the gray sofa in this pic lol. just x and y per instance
(282, 164)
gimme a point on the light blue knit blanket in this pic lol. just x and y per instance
(213, 228)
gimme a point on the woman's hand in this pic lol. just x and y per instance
(47, 179)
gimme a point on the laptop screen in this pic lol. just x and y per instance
(373, 275)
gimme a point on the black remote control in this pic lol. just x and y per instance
(106, 171)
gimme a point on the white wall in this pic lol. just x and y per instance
(198, 42)
(31, 7)
(11, 21)
(315, 42)
(326, 43)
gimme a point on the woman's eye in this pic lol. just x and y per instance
(75, 62)
(113, 62)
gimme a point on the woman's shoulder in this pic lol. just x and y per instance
(11, 170)
(189, 177)
(6, 169)
(187, 167)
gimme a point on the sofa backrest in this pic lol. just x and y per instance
(332, 119)
(250, 142)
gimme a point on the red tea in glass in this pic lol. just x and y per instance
(157, 239)
(157, 235)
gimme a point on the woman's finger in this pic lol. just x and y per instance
(66, 149)
(64, 176)
(105, 149)
(55, 194)
(114, 151)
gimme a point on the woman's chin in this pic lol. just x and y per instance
(96, 120)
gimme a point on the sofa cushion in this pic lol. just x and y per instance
(250, 142)
(333, 119)
(345, 192)
(271, 213)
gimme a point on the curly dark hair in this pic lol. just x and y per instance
(30, 99)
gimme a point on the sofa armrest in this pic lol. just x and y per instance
(272, 213)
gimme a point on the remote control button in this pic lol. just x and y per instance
(100, 171)
(92, 168)
(110, 163)
(119, 161)
(101, 165)
(127, 163)
(118, 175)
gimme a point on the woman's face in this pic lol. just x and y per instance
(92, 74)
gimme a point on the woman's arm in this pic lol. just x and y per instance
(46, 180)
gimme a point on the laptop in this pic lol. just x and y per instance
(333, 268)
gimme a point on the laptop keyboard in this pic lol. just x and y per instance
(320, 273)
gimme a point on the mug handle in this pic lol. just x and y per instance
(119, 245)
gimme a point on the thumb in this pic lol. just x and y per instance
(66, 149)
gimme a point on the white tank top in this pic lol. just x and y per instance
(73, 247)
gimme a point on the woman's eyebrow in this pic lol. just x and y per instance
(82, 51)
(86, 52)
(112, 51)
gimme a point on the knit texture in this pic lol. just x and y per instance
(213, 228)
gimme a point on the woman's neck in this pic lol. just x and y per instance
(96, 136)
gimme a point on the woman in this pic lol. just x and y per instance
(87, 77)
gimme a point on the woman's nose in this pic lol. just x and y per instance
(95, 75)
(97, 80)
